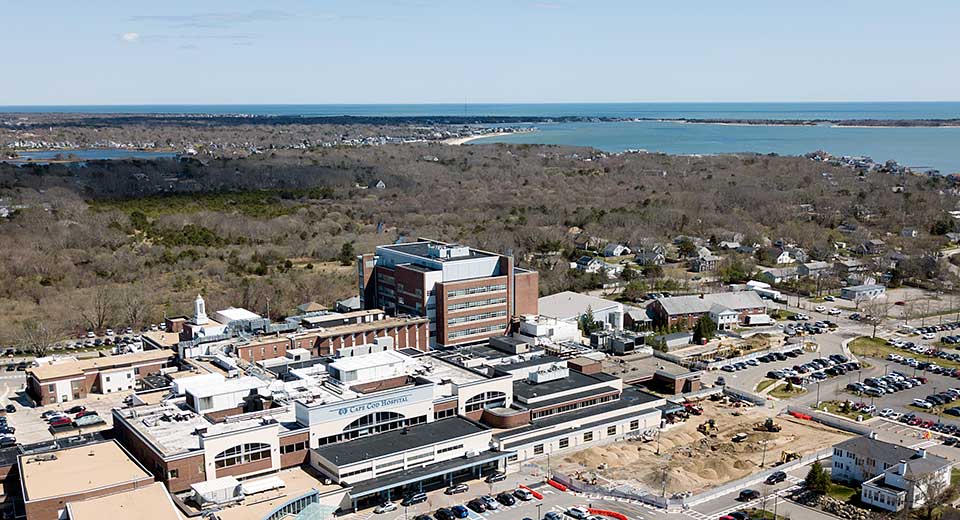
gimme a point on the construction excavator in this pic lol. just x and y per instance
(709, 428)
(788, 456)
(767, 426)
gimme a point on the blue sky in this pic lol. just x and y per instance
(423, 51)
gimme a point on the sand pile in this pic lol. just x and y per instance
(690, 461)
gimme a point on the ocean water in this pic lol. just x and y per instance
(919, 148)
(933, 148)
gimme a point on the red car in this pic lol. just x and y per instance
(61, 421)
(85, 413)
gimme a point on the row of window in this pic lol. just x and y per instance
(290, 448)
(478, 303)
(476, 290)
(443, 414)
(356, 433)
(492, 399)
(450, 448)
(587, 437)
(475, 330)
(242, 454)
(570, 407)
(476, 317)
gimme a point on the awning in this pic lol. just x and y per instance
(376, 485)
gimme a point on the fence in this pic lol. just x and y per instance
(832, 420)
(758, 400)
(632, 493)
(755, 478)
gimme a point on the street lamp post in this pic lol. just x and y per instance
(818, 395)
(538, 511)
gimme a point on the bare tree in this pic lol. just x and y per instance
(99, 310)
(876, 312)
(930, 493)
(36, 338)
(133, 305)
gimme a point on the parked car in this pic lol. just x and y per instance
(385, 507)
(552, 515)
(578, 512)
(922, 404)
(416, 498)
(506, 499)
(490, 502)
(64, 421)
(460, 511)
(477, 505)
(10, 408)
(75, 409)
(748, 494)
(523, 494)
(495, 477)
(443, 514)
(459, 488)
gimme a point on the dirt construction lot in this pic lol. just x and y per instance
(694, 461)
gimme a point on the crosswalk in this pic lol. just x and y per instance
(752, 504)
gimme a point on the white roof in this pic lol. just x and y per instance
(376, 359)
(210, 387)
(233, 314)
(569, 305)
(215, 485)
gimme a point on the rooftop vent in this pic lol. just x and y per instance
(447, 251)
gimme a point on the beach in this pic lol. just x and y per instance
(457, 141)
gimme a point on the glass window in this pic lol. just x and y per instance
(564, 442)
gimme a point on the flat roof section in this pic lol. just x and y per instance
(631, 396)
(568, 305)
(78, 470)
(397, 441)
(297, 482)
(527, 390)
(422, 249)
(147, 503)
(76, 368)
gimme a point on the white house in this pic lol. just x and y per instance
(615, 250)
(910, 483)
(724, 317)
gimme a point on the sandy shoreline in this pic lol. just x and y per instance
(457, 141)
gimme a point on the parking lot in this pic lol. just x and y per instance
(31, 427)
(749, 377)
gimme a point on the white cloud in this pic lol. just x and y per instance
(130, 37)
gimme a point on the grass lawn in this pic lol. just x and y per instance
(834, 408)
(954, 476)
(878, 348)
(781, 392)
(764, 384)
(843, 492)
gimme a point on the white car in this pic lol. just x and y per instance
(490, 502)
(929, 336)
(920, 403)
(820, 308)
(834, 311)
(886, 412)
(578, 513)
(895, 416)
(385, 507)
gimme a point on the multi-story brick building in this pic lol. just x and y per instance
(468, 295)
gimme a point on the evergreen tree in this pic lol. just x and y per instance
(817, 479)
(705, 328)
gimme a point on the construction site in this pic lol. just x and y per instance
(727, 441)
